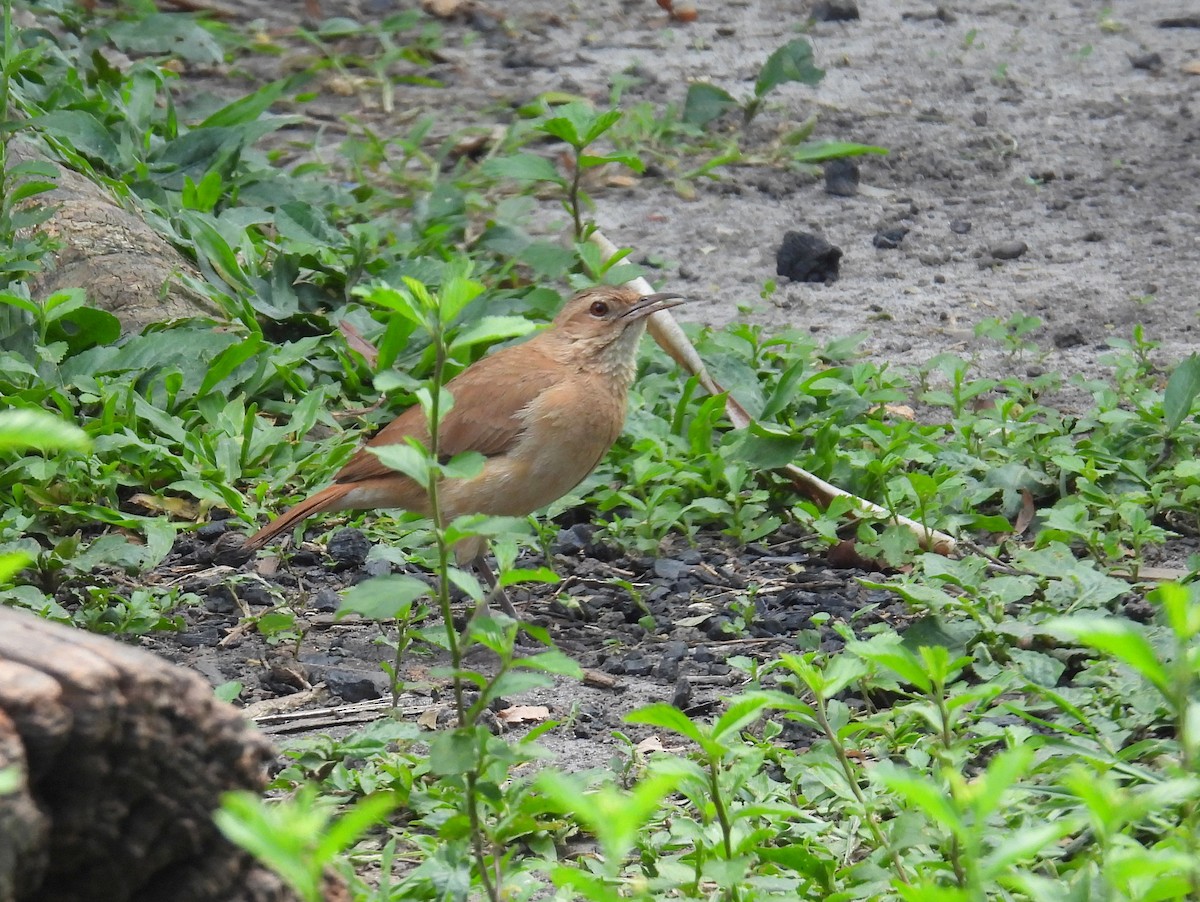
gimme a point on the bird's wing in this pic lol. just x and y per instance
(489, 397)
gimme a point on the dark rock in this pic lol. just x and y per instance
(939, 13)
(1008, 250)
(1179, 22)
(348, 547)
(326, 601)
(718, 628)
(377, 568)
(889, 239)
(841, 177)
(691, 556)
(674, 651)
(212, 529)
(980, 117)
(202, 638)
(575, 539)
(834, 11)
(1093, 235)
(1070, 337)
(255, 593)
(667, 669)
(960, 226)
(681, 695)
(803, 257)
(703, 655)
(1151, 62)
(637, 665)
(220, 600)
(353, 685)
(669, 568)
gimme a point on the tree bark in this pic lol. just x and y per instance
(125, 266)
(118, 759)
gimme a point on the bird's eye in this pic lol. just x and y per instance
(598, 308)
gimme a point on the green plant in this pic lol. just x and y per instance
(791, 62)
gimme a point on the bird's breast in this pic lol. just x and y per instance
(568, 430)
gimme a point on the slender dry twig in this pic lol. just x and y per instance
(669, 335)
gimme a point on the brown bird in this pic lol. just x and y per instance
(543, 413)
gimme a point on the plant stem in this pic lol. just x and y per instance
(573, 194)
(489, 886)
(848, 769)
(439, 526)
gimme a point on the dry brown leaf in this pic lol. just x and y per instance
(445, 9)
(648, 745)
(357, 343)
(180, 508)
(1028, 511)
(428, 718)
(523, 714)
(897, 410)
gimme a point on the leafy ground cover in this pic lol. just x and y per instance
(1015, 722)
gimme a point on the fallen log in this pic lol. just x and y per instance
(111, 764)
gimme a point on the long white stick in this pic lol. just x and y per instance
(666, 332)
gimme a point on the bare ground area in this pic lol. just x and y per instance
(1056, 126)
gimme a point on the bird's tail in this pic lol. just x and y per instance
(330, 499)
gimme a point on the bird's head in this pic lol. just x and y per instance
(601, 326)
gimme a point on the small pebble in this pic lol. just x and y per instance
(803, 257)
(834, 11)
(669, 568)
(681, 695)
(841, 177)
(326, 601)
(1151, 62)
(349, 547)
(1008, 250)
(889, 239)
(960, 226)
(212, 529)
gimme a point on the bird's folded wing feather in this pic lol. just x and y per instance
(489, 399)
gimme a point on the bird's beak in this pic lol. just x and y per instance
(652, 303)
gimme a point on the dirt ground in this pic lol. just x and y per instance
(1059, 125)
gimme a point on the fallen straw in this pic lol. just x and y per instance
(666, 332)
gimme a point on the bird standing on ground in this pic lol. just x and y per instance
(543, 414)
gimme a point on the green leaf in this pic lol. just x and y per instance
(464, 465)
(552, 661)
(303, 224)
(1181, 391)
(742, 711)
(820, 151)
(404, 458)
(668, 717)
(765, 448)
(12, 563)
(383, 598)
(489, 330)
(1121, 639)
(246, 109)
(83, 328)
(522, 167)
(82, 131)
(31, 428)
(791, 62)
(228, 361)
(456, 293)
(705, 103)
(452, 752)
